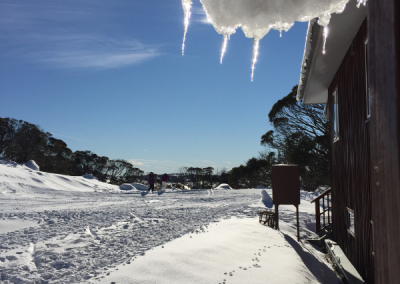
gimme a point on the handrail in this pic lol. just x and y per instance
(322, 194)
(325, 209)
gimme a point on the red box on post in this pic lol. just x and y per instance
(286, 184)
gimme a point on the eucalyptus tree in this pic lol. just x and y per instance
(300, 136)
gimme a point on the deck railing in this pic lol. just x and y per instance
(326, 205)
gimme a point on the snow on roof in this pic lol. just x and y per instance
(318, 68)
(256, 18)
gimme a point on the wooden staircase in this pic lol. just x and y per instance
(326, 213)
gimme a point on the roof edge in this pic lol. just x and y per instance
(314, 32)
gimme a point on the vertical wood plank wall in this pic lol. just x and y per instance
(350, 158)
(384, 60)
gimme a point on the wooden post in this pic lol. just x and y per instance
(323, 211)
(317, 217)
(276, 217)
(384, 81)
(329, 205)
(298, 225)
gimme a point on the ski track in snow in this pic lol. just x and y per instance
(85, 234)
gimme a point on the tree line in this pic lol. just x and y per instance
(300, 136)
(202, 177)
(21, 141)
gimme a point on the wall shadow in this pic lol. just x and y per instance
(320, 270)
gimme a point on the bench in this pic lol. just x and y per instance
(267, 217)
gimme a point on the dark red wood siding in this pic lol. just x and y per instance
(350, 158)
(384, 60)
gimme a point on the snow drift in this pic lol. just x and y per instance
(266, 199)
(22, 180)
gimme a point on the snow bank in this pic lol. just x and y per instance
(311, 195)
(22, 180)
(266, 199)
(32, 165)
(8, 163)
(223, 186)
(127, 186)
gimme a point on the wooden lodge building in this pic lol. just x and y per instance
(358, 79)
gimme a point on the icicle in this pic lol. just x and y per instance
(187, 5)
(364, 2)
(224, 44)
(324, 19)
(280, 33)
(326, 30)
(256, 45)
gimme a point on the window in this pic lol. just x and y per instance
(326, 112)
(368, 96)
(350, 222)
(335, 116)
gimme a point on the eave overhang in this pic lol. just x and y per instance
(318, 70)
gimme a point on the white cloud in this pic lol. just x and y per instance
(207, 162)
(65, 35)
(62, 135)
(85, 51)
(155, 164)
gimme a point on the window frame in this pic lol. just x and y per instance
(335, 115)
(350, 212)
(367, 90)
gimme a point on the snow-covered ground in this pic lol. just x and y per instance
(63, 229)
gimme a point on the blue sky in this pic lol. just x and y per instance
(108, 76)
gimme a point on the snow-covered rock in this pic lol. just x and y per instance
(140, 186)
(127, 186)
(32, 165)
(89, 176)
(185, 187)
(223, 186)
